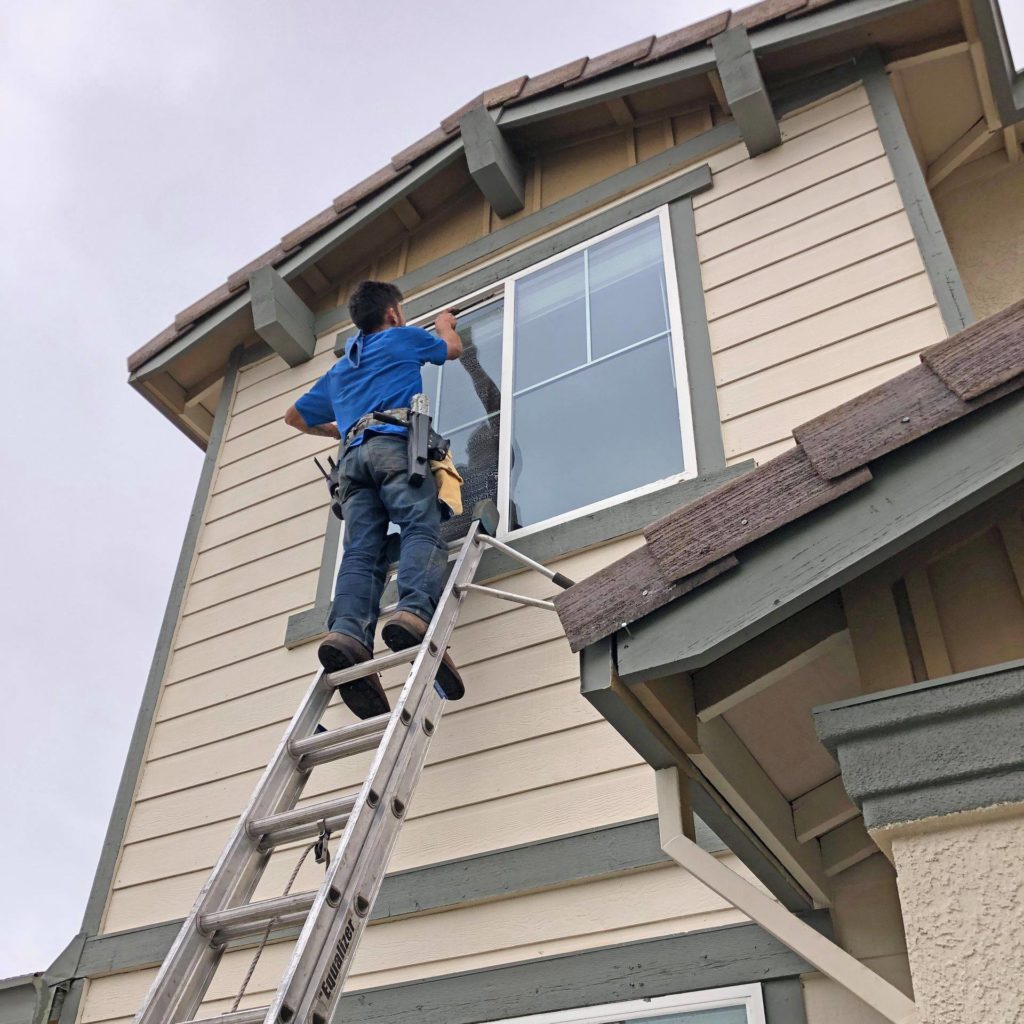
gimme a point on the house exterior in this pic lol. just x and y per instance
(686, 267)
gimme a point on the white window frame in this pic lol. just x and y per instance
(505, 291)
(747, 996)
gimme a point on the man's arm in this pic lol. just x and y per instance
(294, 419)
(445, 327)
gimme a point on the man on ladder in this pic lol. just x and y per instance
(380, 374)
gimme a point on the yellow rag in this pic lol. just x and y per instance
(449, 484)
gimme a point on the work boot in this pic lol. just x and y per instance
(365, 697)
(404, 630)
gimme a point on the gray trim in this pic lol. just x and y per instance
(718, 957)
(700, 369)
(555, 862)
(280, 317)
(802, 92)
(917, 200)
(784, 1001)
(932, 748)
(915, 490)
(780, 35)
(745, 90)
(24, 1000)
(1006, 81)
(688, 184)
(254, 353)
(492, 164)
(328, 562)
(586, 531)
(600, 685)
(136, 749)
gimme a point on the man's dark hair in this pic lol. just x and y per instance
(369, 303)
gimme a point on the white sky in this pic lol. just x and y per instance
(149, 150)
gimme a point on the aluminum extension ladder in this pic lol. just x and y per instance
(334, 917)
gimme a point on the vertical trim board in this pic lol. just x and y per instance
(924, 219)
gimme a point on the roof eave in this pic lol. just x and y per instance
(915, 491)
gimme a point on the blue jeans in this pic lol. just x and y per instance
(375, 490)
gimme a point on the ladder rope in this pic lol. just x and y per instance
(319, 841)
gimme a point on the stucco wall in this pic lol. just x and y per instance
(960, 886)
(983, 217)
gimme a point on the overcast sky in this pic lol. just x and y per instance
(149, 149)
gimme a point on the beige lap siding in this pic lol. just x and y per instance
(628, 908)
(815, 287)
(522, 758)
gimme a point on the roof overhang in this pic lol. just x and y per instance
(176, 363)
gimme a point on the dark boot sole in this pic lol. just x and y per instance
(365, 698)
(399, 638)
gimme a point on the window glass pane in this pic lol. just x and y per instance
(475, 453)
(551, 321)
(603, 430)
(627, 289)
(719, 1015)
(471, 386)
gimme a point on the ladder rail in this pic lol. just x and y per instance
(191, 961)
(324, 936)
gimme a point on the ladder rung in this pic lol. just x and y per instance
(381, 664)
(276, 829)
(235, 922)
(255, 1015)
(335, 743)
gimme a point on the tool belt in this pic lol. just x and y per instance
(438, 457)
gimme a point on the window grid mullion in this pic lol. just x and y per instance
(586, 302)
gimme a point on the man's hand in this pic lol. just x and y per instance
(294, 419)
(444, 324)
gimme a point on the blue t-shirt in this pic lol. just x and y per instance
(378, 371)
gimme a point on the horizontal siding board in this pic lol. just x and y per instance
(287, 595)
(820, 196)
(520, 717)
(260, 544)
(818, 261)
(844, 323)
(276, 510)
(594, 801)
(264, 413)
(821, 367)
(237, 645)
(788, 161)
(295, 449)
(805, 300)
(254, 575)
(776, 422)
(262, 488)
(287, 379)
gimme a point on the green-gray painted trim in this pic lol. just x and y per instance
(784, 1001)
(565, 209)
(1006, 81)
(688, 184)
(492, 164)
(140, 735)
(565, 860)
(914, 491)
(778, 36)
(700, 369)
(585, 531)
(745, 90)
(597, 684)
(801, 93)
(280, 317)
(938, 259)
(254, 353)
(24, 1000)
(718, 957)
(932, 748)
